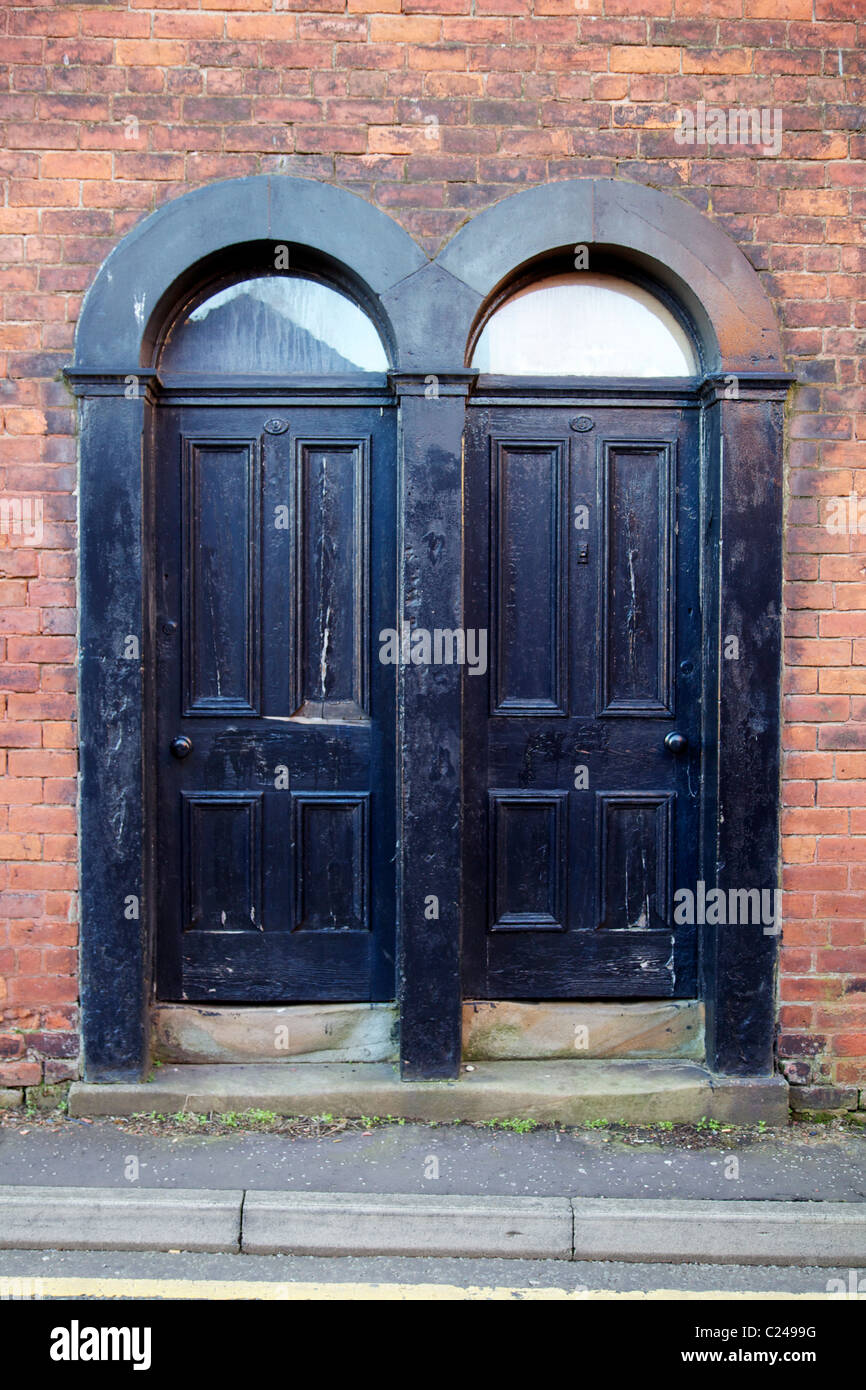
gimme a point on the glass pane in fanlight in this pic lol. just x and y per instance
(584, 324)
(274, 324)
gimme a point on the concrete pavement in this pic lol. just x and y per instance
(800, 1164)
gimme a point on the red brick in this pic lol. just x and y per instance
(144, 52)
(810, 987)
(24, 649)
(37, 707)
(817, 708)
(39, 763)
(811, 821)
(806, 933)
(210, 26)
(841, 849)
(851, 682)
(851, 793)
(714, 60)
(818, 653)
(635, 59)
(19, 678)
(810, 876)
(20, 1073)
(42, 818)
(777, 9)
(843, 736)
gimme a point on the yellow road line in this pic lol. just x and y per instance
(71, 1287)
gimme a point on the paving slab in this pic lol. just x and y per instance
(562, 1092)
(323, 1223)
(93, 1218)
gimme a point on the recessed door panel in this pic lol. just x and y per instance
(332, 878)
(634, 843)
(222, 840)
(333, 507)
(637, 585)
(526, 860)
(527, 576)
(222, 575)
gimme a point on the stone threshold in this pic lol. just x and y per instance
(563, 1092)
(492, 1031)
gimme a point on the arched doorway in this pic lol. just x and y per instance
(734, 400)
(275, 732)
(583, 741)
(206, 404)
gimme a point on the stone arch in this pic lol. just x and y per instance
(673, 243)
(138, 284)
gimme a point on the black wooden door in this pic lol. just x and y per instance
(275, 721)
(580, 822)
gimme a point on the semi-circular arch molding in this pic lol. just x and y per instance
(159, 252)
(696, 260)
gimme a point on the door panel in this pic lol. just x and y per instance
(275, 830)
(527, 861)
(637, 582)
(332, 547)
(528, 577)
(331, 885)
(581, 557)
(222, 575)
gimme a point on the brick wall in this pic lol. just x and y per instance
(433, 109)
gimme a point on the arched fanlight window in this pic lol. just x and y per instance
(273, 325)
(583, 324)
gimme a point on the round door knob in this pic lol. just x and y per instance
(676, 743)
(181, 747)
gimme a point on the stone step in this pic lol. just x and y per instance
(564, 1092)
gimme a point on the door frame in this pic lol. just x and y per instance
(428, 309)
